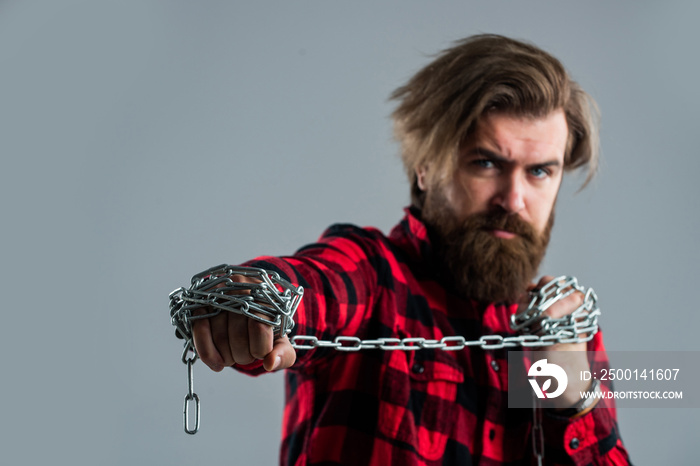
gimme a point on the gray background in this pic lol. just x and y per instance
(143, 141)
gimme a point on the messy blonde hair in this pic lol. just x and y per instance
(440, 106)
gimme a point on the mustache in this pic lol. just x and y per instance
(499, 220)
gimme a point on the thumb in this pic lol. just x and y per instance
(281, 357)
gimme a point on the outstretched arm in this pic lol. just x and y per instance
(339, 277)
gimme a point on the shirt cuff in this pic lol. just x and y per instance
(253, 369)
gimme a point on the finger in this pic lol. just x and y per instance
(220, 335)
(543, 281)
(525, 299)
(238, 339)
(566, 306)
(260, 339)
(204, 344)
(281, 357)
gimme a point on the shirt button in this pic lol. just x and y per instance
(418, 368)
(574, 443)
(494, 365)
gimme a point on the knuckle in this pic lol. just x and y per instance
(244, 279)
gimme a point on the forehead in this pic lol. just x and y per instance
(518, 138)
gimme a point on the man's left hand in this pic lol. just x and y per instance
(575, 360)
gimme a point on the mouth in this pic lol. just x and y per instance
(502, 234)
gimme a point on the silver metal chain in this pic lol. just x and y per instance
(191, 396)
(537, 328)
(269, 299)
(273, 301)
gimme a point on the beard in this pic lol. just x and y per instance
(484, 267)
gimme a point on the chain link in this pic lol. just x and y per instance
(191, 396)
(273, 301)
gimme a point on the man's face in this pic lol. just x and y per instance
(493, 215)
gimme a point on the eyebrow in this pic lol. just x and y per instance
(483, 152)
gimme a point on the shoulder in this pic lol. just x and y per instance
(348, 242)
(348, 230)
(346, 235)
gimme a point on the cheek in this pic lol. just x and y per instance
(541, 211)
(463, 196)
(477, 194)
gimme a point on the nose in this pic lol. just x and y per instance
(511, 194)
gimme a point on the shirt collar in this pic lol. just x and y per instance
(411, 236)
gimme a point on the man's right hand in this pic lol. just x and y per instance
(228, 338)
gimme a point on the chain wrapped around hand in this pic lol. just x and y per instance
(576, 327)
(273, 301)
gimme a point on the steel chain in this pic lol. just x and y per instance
(191, 396)
(273, 301)
(537, 329)
(270, 300)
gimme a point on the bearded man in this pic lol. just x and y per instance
(487, 130)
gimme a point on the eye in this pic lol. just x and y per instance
(483, 163)
(540, 172)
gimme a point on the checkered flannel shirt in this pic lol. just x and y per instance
(426, 407)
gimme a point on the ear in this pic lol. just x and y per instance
(421, 174)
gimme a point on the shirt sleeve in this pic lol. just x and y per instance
(339, 274)
(592, 439)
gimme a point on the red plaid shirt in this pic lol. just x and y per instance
(426, 407)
